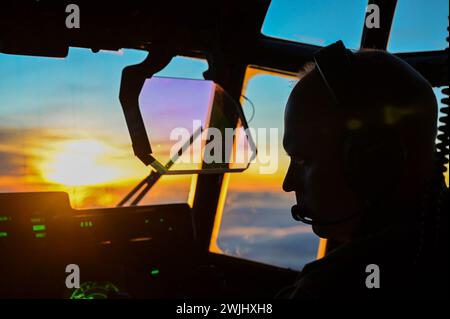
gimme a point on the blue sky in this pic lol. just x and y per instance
(86, 78)
(419, 25)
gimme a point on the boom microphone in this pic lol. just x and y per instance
(302, 215)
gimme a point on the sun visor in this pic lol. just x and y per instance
(193, 127)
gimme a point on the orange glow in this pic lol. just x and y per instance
(213, 247)
(96, 170)
(79, 162)
(322, 250)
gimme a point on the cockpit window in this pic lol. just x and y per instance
(419, 26)
(62, 128)
(253, 219)
(316, 22)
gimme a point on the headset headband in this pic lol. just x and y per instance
(334, 65)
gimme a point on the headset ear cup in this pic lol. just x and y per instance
(374, 162)
(353, 162)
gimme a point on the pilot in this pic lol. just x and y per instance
(361, 141)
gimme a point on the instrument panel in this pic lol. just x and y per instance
(141, 251)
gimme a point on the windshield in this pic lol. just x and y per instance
(62, 128)
(418, 25)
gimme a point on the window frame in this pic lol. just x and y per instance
(251, 72)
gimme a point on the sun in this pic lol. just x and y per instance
(79, 162)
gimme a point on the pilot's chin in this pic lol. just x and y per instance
(321, 231)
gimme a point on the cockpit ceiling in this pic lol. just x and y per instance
(188, 25)
(194, 29)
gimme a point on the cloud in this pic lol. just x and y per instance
(274, 199)
(292, 250)
(14, 156)
(9, 164)
(267, 232)
(258, 226)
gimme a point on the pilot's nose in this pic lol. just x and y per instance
(289, 179)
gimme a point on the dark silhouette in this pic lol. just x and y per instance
(365, 176)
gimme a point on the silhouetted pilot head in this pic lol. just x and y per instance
(381, 150)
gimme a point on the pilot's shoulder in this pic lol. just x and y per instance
(344, 271)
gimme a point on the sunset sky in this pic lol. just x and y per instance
(62, 127)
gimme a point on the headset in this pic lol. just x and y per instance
(362, 146)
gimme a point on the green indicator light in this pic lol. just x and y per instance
(41, 235)
(86, 224)
(3, 234)
(38, 227)
(4, 218)
(162, 220)
(37, 220)
(154, 272)
(146, 221)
